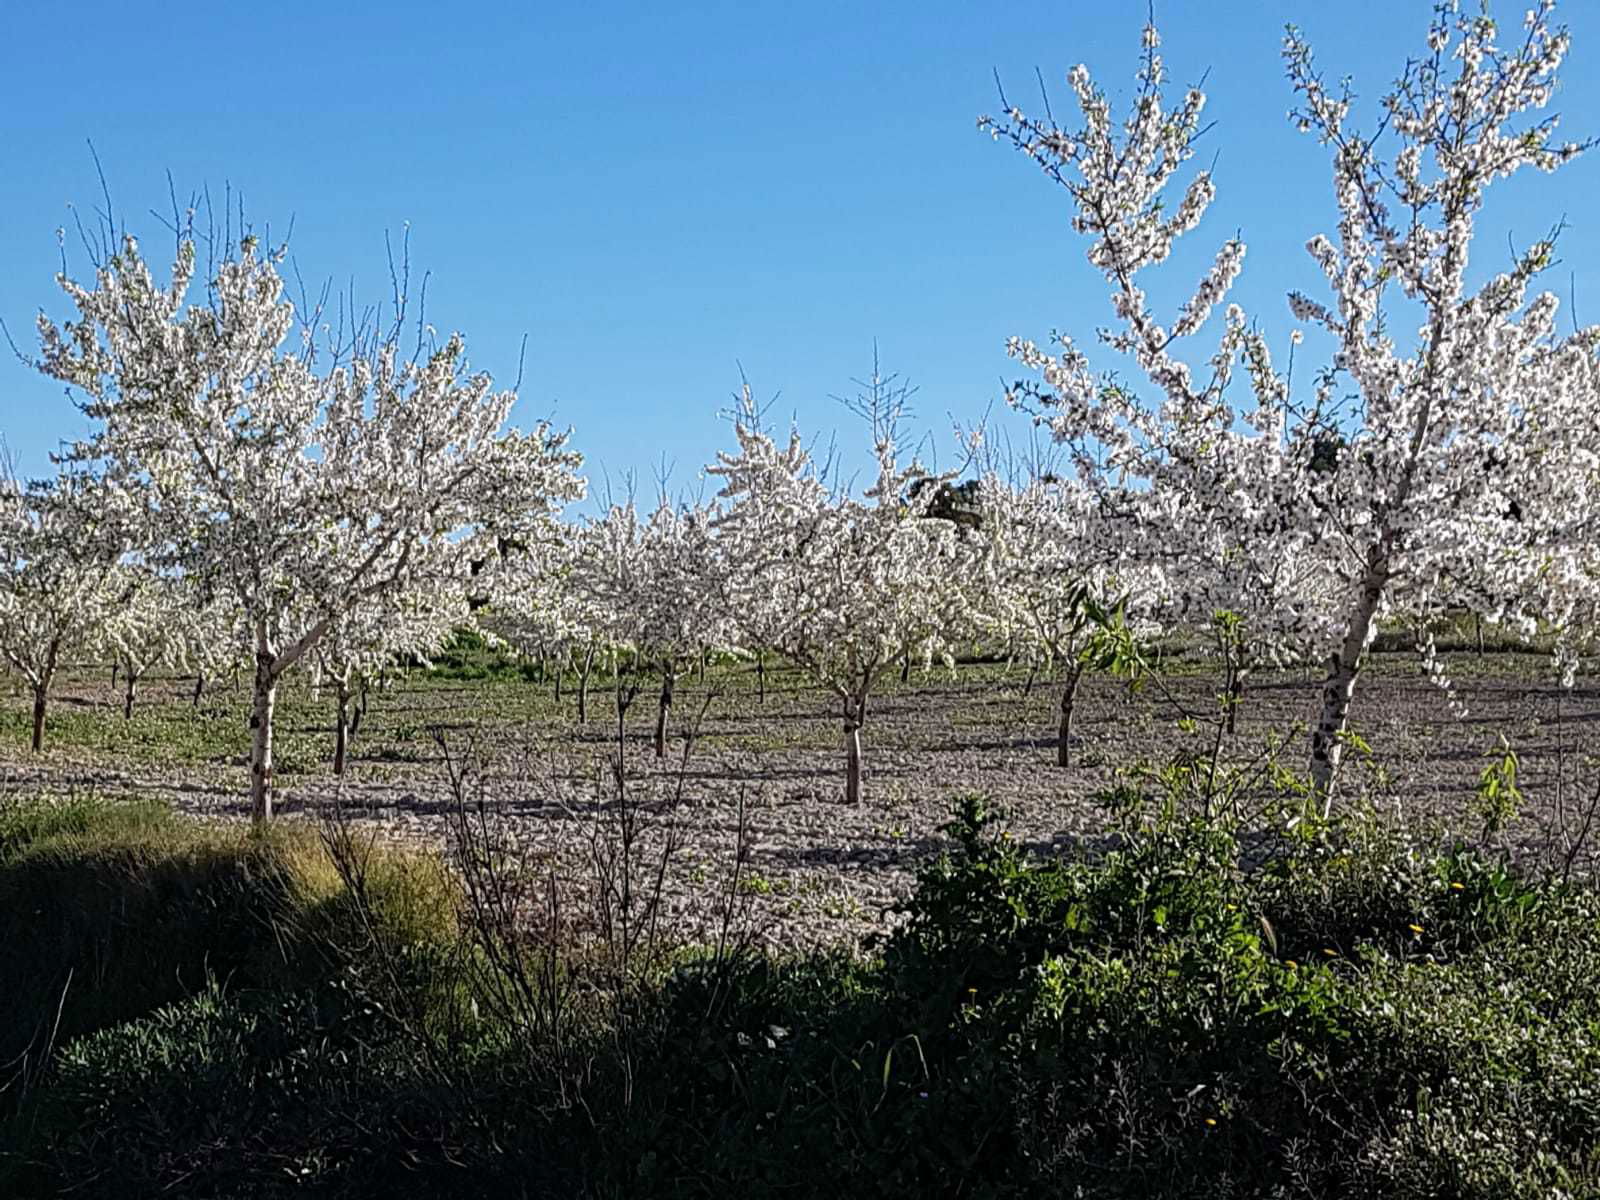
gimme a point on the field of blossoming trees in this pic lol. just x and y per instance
(753, 761)
(1332, 618)
(261, 491)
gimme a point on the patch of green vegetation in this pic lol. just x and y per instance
(111, 910)
(1353, 1014)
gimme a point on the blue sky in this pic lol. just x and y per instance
(656, 194)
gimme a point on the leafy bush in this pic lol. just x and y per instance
(468, 655)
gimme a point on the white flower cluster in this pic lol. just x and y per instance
(306, 500)
(1466, 473)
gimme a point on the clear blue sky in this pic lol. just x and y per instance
(656, 193)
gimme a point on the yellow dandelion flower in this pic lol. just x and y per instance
(1290, 963)
(1414, 928)
(1459, 887)
(1330, 953)
(1211, 1120)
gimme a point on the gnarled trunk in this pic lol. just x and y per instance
(41, 694)
(199, 686)
(1238, 669)
(264, 697)
(1235, 696)
(1069, 699)
(129, 693)
(761, 677)
(1340, 686)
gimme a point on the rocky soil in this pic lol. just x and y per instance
(750, 796)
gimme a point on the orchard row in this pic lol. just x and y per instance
(262, 488)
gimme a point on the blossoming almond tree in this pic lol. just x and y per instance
(541, 601)
(843, 588)
(1052, 568)
(59, 584)
(307, 494)
(160, 623)
(411, 624)
(653, 580)
(1415, 484)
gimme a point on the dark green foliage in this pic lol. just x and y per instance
(468, 655)
(108, 911)
(960, 503)
(1338, 1012)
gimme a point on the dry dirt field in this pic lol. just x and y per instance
(814, 869)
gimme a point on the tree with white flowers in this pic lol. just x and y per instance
(60, 589)
(845, 588)
(557, 601)
(650, 585)
(1458, 435)
(405, 625)
(308, 492)
(1055, 571)
(160, 622)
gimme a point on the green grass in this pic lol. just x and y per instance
(110, 911)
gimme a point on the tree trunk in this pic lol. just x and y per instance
(761, 676)
(668, 679)
(1033, 673)
(559, 673)
(1235, 695)
(1238, 669)
(341, 726)
(114, 668)
(905, 667)
(1340, 686)
(1477, 625)
(199, 686)
(129, 694)
(39, 694)
(1069, 699)
(264, 697)
(583, 685)
(853, 709)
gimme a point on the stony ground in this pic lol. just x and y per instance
(755, 785)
